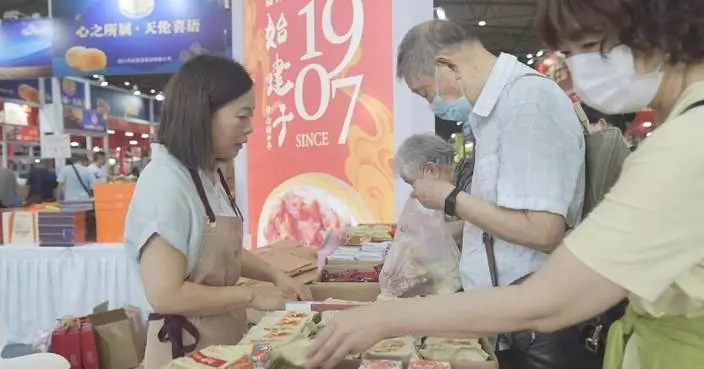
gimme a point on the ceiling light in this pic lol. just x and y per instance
(96, 76)
(530, 62)
(74, 144)
(129, 134)
(648, 134)
(647, 124)
(152, 91)
(159, 97)
(540, 53)
(118, 149)
(145, 135)
(137, 92)
(111, 132)
(459, 123)
(127, 83)
(529, 56)
(133, 142)
(440, 13)
(482, 23)
(453, 135)
(104, 83)
(96, 148)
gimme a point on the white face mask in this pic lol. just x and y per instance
(610, 84)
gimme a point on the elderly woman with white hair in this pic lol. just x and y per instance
(424, 154)
(429, 155)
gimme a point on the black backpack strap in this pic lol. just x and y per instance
(693, 106)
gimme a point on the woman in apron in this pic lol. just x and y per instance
(645, 240)
(183, 227)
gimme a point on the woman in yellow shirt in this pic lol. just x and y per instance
(645, 241)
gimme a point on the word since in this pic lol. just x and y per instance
(164, 27)
(313, 139)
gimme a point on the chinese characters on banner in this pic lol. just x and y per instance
(320, 155)
(127, 37)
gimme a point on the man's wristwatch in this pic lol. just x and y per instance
(451, 202)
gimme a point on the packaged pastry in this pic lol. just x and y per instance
(452, 350)
(381, 364)
(292, 353)
(427, 364)
(281, 327)
(398, 349)
(216, 357)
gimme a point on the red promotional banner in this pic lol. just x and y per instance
(320, 155)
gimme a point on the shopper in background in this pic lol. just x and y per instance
(75, 179)
(644, 241)
(41, 183)
(184, 230)
(528, 175)
(99, 167)
(9, 189)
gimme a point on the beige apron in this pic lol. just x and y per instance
(219, 264)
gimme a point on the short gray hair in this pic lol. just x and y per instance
(424, 42)
(420, 149)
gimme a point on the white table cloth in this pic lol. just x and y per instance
(40, 284)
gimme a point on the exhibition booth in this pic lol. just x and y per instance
(329, 118)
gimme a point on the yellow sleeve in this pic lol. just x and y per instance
(650, 228)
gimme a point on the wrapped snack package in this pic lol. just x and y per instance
(423, 258)
(453, 350)
(397, 349)
(427, 364)
(381, 364)
(225, 357)
(280, 328)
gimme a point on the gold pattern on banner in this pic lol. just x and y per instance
(368, 166)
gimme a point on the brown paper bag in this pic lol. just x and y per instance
(117, 337)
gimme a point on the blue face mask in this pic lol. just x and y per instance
(458, 111)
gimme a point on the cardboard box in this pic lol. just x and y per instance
(20, 228)
(363, 292)
(362, 266)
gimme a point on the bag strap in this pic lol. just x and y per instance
(693, 106)
(491, 258)
(85, 188)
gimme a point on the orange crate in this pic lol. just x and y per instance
(110, 225)
(109, 192)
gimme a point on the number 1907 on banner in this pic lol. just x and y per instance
(314, 71)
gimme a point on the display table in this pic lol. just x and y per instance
(40, 284)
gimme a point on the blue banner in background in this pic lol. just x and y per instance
(21, 89)
(118, 104)
(73, 92)
(136, 36)
(25, 48)
(94, 121)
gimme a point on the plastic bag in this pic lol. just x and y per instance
(424, 258)
(334, 238)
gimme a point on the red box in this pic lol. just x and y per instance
(66, 341)
(89, 350)
(76, 343)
